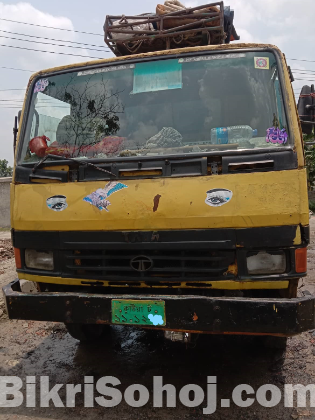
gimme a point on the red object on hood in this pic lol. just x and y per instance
(38, 145)
(59, 150)
(109, 146)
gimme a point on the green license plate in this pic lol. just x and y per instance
(138, 312)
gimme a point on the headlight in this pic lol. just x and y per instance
(42, 260)
(266, 263)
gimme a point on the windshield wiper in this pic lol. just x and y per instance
(80, 162)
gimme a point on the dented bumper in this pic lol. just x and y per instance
(187, 313)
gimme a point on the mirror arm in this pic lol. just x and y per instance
(15, 132)
(291, 74)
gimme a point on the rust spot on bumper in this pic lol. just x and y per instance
(156, 202)
(232, 269)
(195, 317)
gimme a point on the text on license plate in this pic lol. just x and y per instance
(138, 312)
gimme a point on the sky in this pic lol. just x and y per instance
(286, 23)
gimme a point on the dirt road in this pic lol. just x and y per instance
(135, 356)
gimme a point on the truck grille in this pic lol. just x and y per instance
(144, 265)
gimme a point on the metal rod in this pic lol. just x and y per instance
(191, 25)
(166, 16)
(143, 21)
(192, 9)
(209, 28)
(171, 14)
(15, 132)
(183, 11)
(167, 31)
(127, 31)
(193, 16)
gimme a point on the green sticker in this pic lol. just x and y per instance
(157, 75)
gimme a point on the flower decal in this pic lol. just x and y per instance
(41, 85)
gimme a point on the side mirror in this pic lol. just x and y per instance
(291, 74)
(306, 109)
(16, 129)
(15, 132)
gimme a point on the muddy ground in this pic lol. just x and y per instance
(135, 356)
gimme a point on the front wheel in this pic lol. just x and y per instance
(87, 332)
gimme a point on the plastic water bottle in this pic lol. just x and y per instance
(234, 134)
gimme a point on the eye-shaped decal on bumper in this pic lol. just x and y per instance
(57, 202)
(218, 197)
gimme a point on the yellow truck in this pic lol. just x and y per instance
(164, 190)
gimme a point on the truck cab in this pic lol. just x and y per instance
(164, 190)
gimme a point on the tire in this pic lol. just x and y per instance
(87, 332)
(271, 342)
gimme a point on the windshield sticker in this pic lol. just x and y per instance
(57, 202)
(210, 58)
(276, 136)
(262, 63)
(105, 70)
(157, 76)
(99, 198)
(218, 197)
(41, 85)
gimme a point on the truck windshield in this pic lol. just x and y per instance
(193, 104)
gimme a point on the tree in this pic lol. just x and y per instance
(95, 109)
(310, 158)
(5, 170)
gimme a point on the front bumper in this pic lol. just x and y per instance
(186, 313)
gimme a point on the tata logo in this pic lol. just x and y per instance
(141, 263)
(133, 237)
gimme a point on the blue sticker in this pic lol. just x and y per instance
(156, 319)
(99, 198)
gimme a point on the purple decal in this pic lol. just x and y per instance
(41, 85)
(275, 135)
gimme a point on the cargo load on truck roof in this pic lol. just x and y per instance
(172, 26)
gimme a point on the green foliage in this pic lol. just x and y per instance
(310, 159)
(312, 205)
(308, 137)
(5, 170)
(310, 167)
